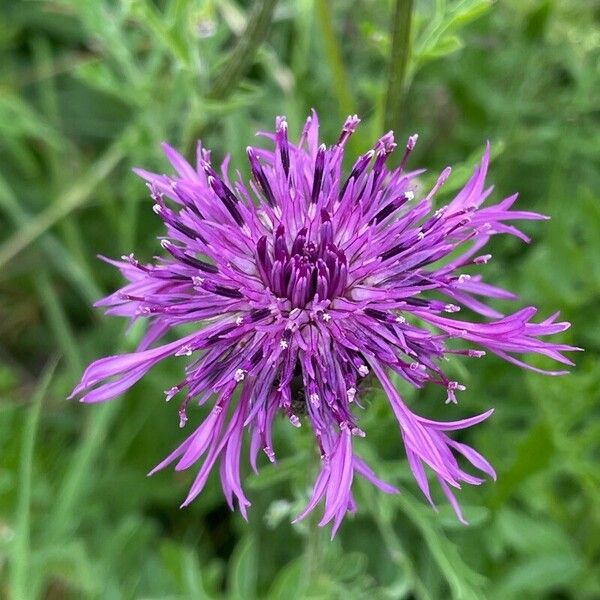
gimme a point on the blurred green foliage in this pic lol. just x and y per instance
(88, 89)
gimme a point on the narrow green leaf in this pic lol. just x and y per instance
(21, 566)
(464, 582)
(243, 570)
(61, 260)
(79, 473)
(73, 198)
(59, 322)
(288, 583)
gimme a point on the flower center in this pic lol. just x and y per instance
(308, 270)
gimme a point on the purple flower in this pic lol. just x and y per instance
(308, 281)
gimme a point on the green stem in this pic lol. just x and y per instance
(242, 56)
(234, 66)
(341, 84)
(400, 54)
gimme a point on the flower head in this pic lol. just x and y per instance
(307, 281)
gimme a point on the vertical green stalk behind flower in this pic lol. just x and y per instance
(242, 55)
(400, 54)
(341, 88)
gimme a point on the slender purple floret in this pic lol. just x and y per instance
(306, 281)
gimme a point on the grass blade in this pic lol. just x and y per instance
(74, 197)
(21, 568)
(64, 514)
(57, 254)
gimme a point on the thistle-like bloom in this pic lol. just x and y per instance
(299, 285)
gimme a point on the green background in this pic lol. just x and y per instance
(88, 89)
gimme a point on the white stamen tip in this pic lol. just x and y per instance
(239, 320)
(170, 393)
(358, 432)
(409, 195)
(269, 452)
(418, 367)
(363, 370)
(295, 421)
(482, 259)
(454, 385)
(284, 345)
(400, 319)
(314, 399)
(351, 393)
(239, 375)
(351, 122)
(326, 317)
(451, 308)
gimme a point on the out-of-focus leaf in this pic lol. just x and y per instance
(186, 570)
(539, 574)
(277, 472)
(242, 571)
(464, 583)
(446, 45)
(288, 583)
(534, 453)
